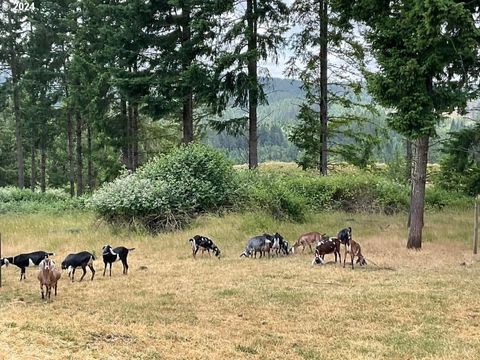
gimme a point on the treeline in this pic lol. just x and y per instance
(92, 86)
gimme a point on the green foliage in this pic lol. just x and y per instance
(291, 196)
(165, 193)
(13, 199)
(269, 192)
(460, 168)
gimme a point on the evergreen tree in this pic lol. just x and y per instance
(427, 54)
(183, 35)
(12, 49)
(325, 35)
(238, 66)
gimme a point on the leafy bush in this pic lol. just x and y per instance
(167, 192)
(13, 199)
(270, 193)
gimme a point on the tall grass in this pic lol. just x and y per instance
(410, 305)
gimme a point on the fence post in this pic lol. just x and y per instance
(475, 229)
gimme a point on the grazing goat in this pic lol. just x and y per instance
(327, 245)
(25, 260)
(81, 259)
(260, 243)
(111, 255)
(355, 250)
(203, 243)
(280, 245)
(48, 277)
(311, 238)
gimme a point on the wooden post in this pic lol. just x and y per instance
(475, 229)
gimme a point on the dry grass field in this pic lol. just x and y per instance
(410, 305)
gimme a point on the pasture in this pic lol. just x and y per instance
(410, 305)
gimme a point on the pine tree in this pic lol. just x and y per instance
(327, 59)
(238, 66)
(12, 43)
(427, 54)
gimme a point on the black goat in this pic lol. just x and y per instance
(81, 259)
(111, 255)
(345, 235)
(25, 260)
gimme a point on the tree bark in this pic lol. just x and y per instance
(125, 145)
(253, 84)
(71, 163)
(18, 125)
(135, 136)
(129, 136)
(417, 197)
(90, 173)
(43, 166)
(79, 155)
(33, 169)
(187, 113)
(323, 85)
(408, 165)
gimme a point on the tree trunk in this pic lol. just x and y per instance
(71, 163)
(43, 166)
(135, 137)
(408, 165)
(187, 118)
(79, 155)
(129, 136)
(323, 84)
(90, 175)
(18, 126)
(125, 144)
(187, 113)
(253, 84)
(417, 197)
(33, 169)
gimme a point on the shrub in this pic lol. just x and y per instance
(167, 192)
(13, 199)
(270, 193)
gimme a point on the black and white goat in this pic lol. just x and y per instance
(25, 260)
(280, 245)
(81, 259)
(203, 243)
(111, 255)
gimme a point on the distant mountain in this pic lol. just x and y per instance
(274, 123)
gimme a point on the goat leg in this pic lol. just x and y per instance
(84, 272)
(92, 270)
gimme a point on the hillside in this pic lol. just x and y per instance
(278, 117)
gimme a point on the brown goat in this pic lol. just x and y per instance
(48, 277)
(327, 245)
(311, 238)
(355, 251)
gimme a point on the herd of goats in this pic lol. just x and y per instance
(265, 244)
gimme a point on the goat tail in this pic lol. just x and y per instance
(131, 249)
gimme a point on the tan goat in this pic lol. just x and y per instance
(48, 277)
(308, 239)
(354, 250)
